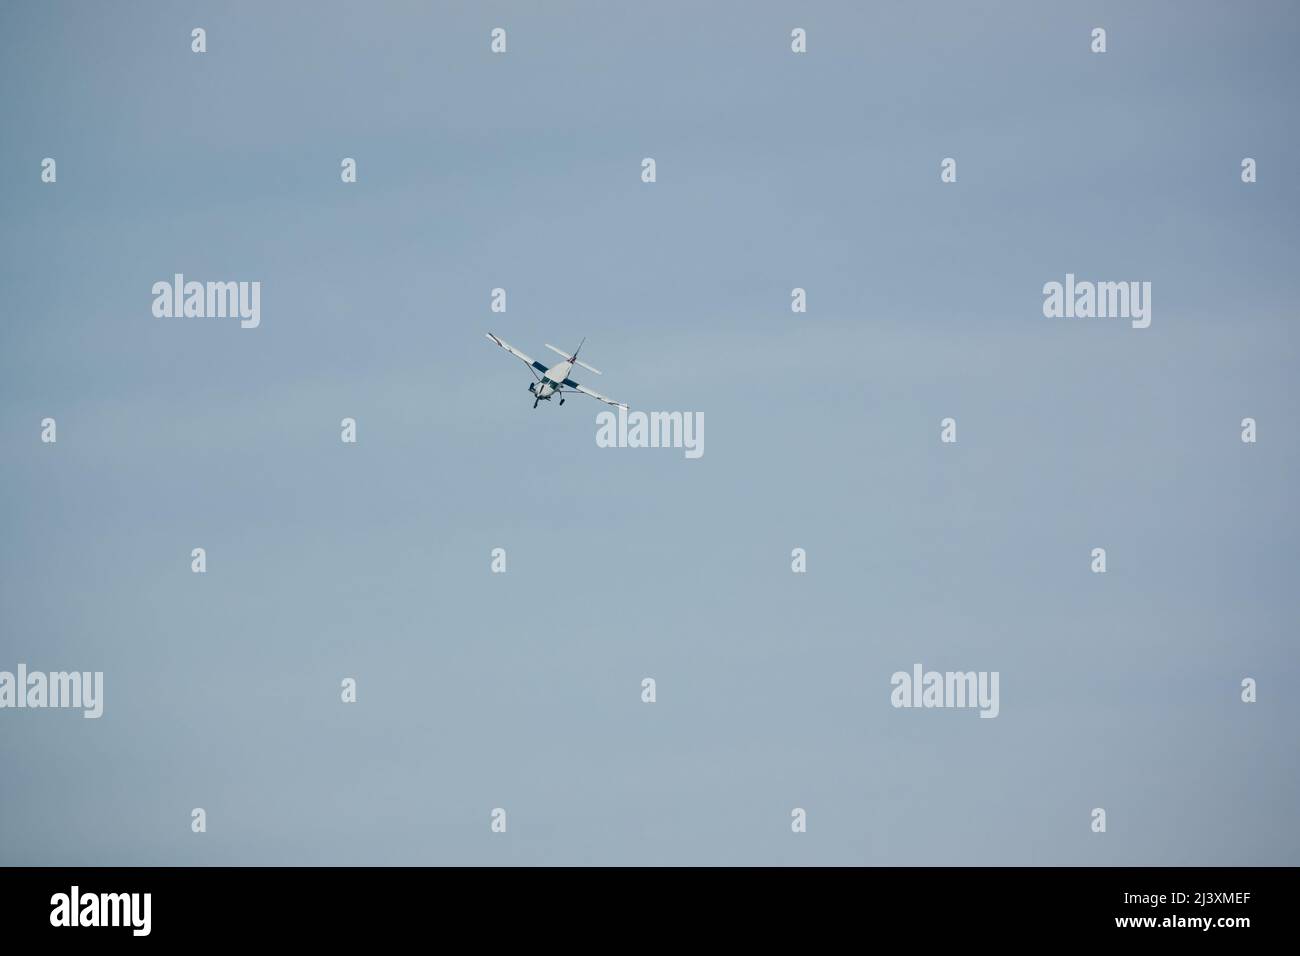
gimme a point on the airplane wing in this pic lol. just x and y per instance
(596, 395)
(516, 353)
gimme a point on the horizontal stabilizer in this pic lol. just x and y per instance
(573, 359)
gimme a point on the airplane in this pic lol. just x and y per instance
(555, 380)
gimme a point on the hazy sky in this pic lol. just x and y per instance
(523, 690)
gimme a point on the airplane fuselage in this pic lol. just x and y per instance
(550, 382)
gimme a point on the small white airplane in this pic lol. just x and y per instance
(555, 380)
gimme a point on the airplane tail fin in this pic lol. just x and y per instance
(584, 364)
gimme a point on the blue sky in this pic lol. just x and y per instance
(522, 690)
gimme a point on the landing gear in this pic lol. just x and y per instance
(535, 401)
(561, 401)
